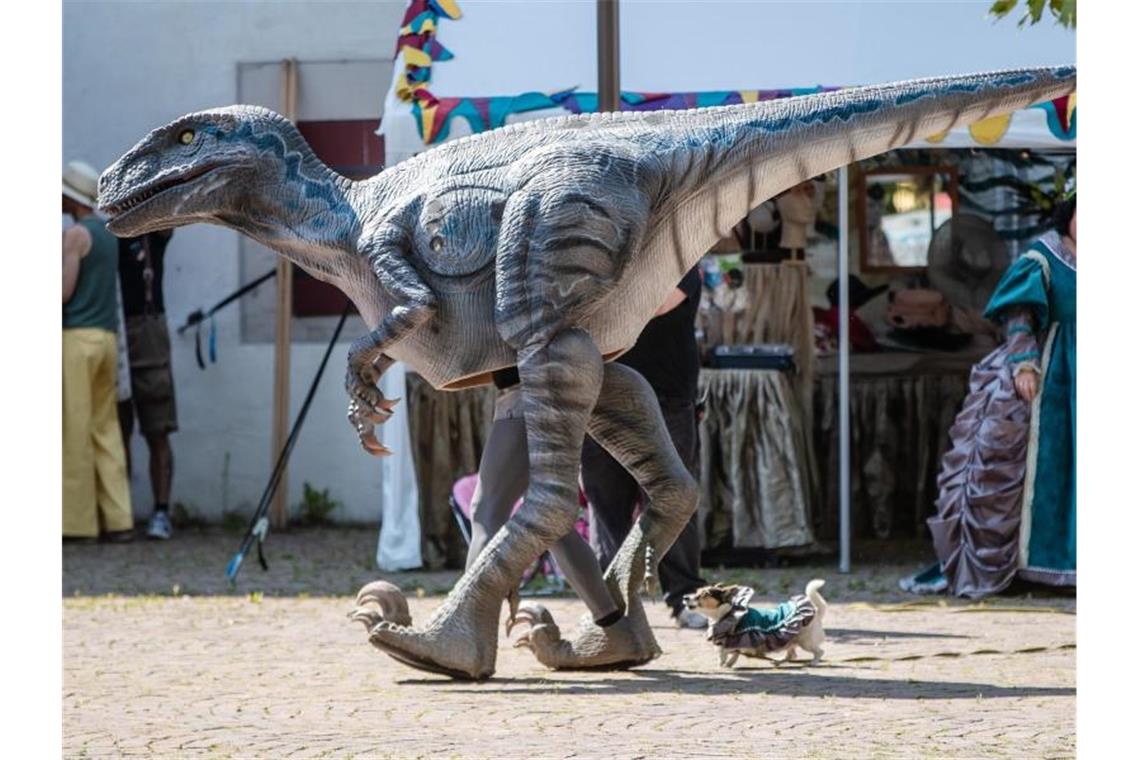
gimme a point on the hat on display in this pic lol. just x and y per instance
(858, 292)
(965, 261)
(81, 183)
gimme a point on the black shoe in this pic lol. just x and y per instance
(119, 536)
(80, 540)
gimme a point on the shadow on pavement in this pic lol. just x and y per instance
(790, 682)
(846, 635)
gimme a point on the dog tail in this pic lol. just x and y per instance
(812, 592)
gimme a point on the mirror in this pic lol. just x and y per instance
(899, 209)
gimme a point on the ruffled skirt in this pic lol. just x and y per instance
(981, 484)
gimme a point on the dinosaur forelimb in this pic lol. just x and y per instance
(367, 360)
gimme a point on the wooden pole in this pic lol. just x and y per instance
(609, 56)
(279, 513)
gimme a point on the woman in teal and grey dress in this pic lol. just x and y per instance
(1007, 489)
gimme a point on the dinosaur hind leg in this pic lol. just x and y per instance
(560, 383)
(633, 431)
(627, 422)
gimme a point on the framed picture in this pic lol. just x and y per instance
(898, 210)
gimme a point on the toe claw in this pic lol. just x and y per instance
(383, 603)
(512, 610)
(368, 440)
(373, 446)
(370, 617)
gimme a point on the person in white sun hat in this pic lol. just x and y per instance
(96, 491)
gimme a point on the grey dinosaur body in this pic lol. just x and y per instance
(546, 245)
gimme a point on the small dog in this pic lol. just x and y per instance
(738, 629)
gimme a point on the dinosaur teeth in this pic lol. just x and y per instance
(130, 203)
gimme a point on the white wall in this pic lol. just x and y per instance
(129, 67)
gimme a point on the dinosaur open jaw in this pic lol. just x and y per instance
(140, 198)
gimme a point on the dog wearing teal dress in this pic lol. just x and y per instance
(738, 629)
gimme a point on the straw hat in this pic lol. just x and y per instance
(965, 261)
(81, 183)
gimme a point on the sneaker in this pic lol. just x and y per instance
(160, 526)
(928, 581)
(683, 618)
(118, 537)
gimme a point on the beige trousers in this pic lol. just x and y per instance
(95, 483)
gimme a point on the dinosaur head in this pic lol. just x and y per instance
(202, 167)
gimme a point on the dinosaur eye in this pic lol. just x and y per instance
(186, 136)
(436, 244)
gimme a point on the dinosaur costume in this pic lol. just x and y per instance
(546, 245)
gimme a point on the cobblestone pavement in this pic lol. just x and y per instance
(162, 659)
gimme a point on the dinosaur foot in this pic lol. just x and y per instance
(625, 644)
(459, 640)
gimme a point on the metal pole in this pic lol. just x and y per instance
(844, 385)
(284, 334)
(609, 56)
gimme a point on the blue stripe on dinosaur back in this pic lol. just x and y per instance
(851, 109)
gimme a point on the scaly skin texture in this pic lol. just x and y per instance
(546, 245)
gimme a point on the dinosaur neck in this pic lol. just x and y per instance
(315, 236)
(308, 213)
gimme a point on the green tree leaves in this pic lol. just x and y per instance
(1064, 12)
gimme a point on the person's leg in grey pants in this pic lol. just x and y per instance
(612, 494)
(503, 476)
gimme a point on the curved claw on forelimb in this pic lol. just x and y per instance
(366, 430)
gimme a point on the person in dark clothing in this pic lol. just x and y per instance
(666, 354)
(148, 350)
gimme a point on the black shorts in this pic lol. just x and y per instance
(152, 383)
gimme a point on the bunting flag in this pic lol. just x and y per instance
(433, 115)
(419, 49)
(1060, 117)
(587, 102)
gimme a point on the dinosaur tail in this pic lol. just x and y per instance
(732, 158)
